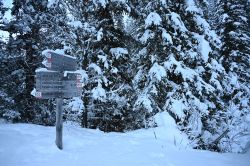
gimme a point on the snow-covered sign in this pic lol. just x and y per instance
(54, 84)
(59, 62)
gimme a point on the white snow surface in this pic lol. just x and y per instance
(33, 145)
(96, 68)
(43, 70)
(99, 35)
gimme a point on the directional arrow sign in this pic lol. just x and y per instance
(48, 81)
(52, 84)
(59, 62)
(52, 95)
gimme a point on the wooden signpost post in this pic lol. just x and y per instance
(58, 80)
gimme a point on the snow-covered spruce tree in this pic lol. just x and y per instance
(178, 69)
(102, 44)
(6, 102)
(2, 27)
(214, 74)
(56, 30)
(81, 35)
(233, 27)
(26, 42)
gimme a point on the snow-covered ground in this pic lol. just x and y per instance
(33, 145)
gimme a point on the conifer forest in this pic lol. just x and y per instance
(140, 60)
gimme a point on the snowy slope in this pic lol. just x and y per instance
(32, 145)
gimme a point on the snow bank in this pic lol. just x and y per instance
(33, 145)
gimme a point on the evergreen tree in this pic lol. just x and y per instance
(6, 101)
(102, 44)
(36, 26)
(179, 69)
(234, 28)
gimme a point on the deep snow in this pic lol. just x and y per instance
(33, 145)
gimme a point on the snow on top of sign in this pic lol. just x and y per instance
(44, 70)
(57, 51)
(33, 92)
(84, 75)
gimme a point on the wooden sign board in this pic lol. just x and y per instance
(54, 85)
(59, 62)
(52, 95)
(48, 81)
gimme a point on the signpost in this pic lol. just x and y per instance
(58, 80)
(58, 62)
